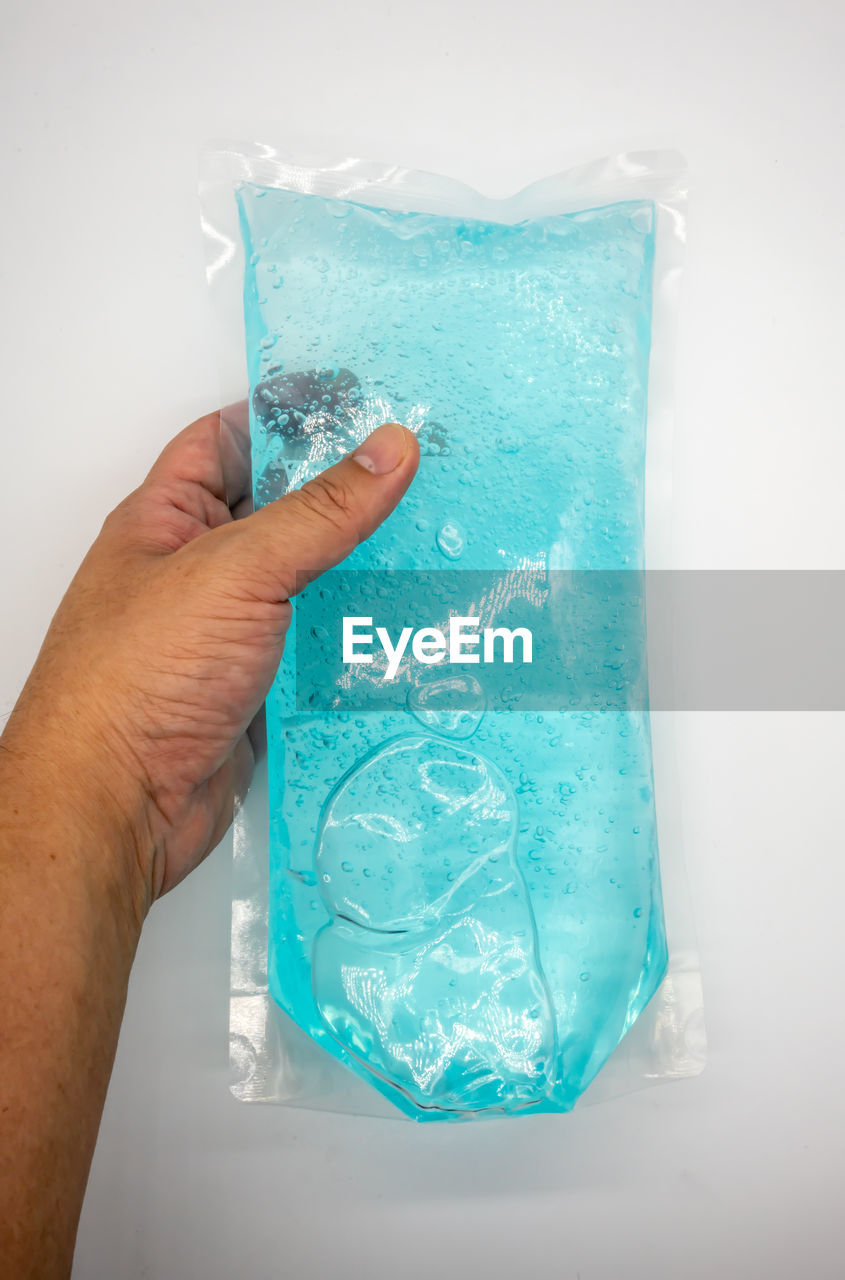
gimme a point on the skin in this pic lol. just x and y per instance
(120, 767)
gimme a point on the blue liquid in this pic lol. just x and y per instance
(464, 907)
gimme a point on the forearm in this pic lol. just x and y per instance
(69, 926)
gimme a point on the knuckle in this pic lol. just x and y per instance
(327, 499)
(119, 522)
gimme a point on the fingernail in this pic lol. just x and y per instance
(383, 449)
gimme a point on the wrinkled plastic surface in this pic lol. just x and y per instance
(464, 908)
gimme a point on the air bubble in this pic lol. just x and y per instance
(451, 540)
(454, 705)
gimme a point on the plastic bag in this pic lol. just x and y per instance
(463, 902)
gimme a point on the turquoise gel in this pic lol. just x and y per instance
(465, 907)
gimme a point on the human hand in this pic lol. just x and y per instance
(169, 637)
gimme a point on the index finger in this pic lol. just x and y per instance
(213, 452)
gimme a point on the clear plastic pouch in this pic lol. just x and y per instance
(524, 957)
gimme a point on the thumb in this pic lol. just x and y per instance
(313, 528)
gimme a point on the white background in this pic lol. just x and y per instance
(106, 352)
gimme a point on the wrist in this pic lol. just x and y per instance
(63, 786)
